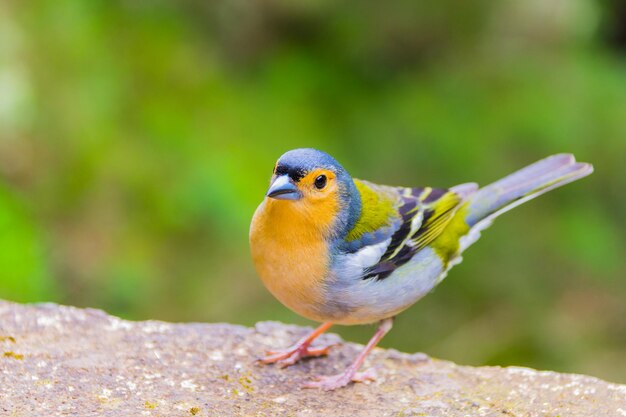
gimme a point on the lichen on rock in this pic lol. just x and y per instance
(83, 362)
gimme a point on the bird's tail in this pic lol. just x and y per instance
(494, 199)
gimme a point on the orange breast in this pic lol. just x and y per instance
(290, 254)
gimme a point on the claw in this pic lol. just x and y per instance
(298, 351)
(293, 354)
(369, 375)
(320, 351)
(329, 383)
(275, 356)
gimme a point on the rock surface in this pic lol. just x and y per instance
(64, 361)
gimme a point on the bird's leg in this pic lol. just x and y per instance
(350, 374)
(299, 350)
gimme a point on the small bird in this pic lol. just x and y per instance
(339, 250)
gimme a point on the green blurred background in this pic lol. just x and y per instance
(137, 138)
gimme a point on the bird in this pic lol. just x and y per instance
(339, 250)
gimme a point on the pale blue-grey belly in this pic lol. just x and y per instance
(353, 300)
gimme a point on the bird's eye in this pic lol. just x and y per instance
(320, 182)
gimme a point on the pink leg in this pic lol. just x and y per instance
(350, 374)
(300, 350)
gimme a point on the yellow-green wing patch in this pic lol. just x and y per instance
(436, 218)
(377, 211)
(447, 244)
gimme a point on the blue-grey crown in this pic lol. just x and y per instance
(298, 162)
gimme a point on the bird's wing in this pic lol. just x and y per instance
(422, 216)
(379, 218)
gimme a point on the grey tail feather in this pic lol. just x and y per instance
(521, 186)
(465, 190)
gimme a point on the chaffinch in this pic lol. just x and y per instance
(339, 250)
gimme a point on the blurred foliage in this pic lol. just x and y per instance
(137, 138)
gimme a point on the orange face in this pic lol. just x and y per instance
(312, 198)
(318, 186)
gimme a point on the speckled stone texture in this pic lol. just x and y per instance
(64, 361)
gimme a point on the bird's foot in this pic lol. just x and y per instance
(291, 355)
(329, 383)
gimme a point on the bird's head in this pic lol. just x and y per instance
(312, 184)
